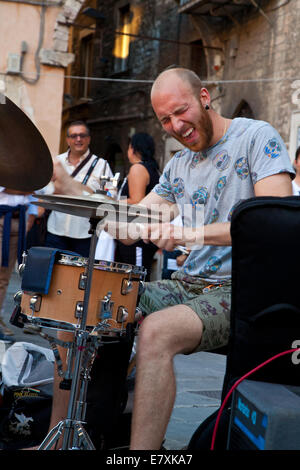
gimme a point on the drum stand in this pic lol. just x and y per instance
(74, 435)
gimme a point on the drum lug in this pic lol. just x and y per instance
(21, 266)
(78, 310)
(106, 307)
(122, 314)
(138, 314)
(142, 287)
(18, 297)
(35, 303)
(126, 286)
(82, 281)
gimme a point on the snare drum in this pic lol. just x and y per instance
(113, 295)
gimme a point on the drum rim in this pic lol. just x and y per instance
(103, 265)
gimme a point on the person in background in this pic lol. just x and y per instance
(296, 181)
(13, 228)
(143, 175)
(78, 169)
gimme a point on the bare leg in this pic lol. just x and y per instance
(162, 335)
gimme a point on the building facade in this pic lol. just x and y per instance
(245, 52)
(34, 37)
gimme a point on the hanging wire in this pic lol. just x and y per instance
(205, 82)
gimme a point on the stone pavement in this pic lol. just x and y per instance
(199, 382)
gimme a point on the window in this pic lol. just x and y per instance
(122, 41)
(86, 65)
(198, 59)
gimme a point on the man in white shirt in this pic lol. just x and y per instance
(65, 231)
(296, 181)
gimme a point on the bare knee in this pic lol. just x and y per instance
(150, 341)
(170, 332)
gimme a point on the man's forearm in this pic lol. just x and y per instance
(217, 234)
(71, 187)
(168, 236)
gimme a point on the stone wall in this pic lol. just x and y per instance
(251, 62)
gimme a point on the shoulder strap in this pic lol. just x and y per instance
(86, 178)
(84, 162)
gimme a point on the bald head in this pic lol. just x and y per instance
(179, 102)
(188, 77)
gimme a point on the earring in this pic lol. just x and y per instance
(206, 106)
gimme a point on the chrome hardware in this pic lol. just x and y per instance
(126, 286)
(18, 297)
(122, 314)
(35, 303)
(106, 307)
(142, 287)
(82, 281)
(78, 310)
(115, 180)
(23, 264)
(138, 314)
(105, 179)
(111, 266)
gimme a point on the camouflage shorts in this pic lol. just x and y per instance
(211, 304)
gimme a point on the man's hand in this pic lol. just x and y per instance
(180, 260)
(61, 179)
(167, 236)
(64, 183)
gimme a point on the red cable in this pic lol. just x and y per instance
(236, 384)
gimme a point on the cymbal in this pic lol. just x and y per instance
(92, 201)
(96, 203)
(96, 206)
(105, 209)
(80, 211)
(25, 160)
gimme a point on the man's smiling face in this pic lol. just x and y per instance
(78, 139)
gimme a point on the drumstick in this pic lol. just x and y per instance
(184, 250)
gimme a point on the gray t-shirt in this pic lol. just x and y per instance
(216, 180)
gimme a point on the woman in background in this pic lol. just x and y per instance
(143, 175)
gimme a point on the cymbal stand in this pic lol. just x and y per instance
(74, 435)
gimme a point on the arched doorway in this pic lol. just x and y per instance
(243, 110)
(198, 59)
